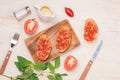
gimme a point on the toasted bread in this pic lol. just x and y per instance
(43, 49)
(68, 38)
(90, 30)
(90, 20)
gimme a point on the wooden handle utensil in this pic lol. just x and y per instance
(86, 70)
(5, 62)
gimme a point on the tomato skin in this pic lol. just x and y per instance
(33, 29)
(69, 12)
(70, 63)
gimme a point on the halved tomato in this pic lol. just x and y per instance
(30, 26)
(70, 63)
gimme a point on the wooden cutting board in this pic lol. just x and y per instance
(52, 34)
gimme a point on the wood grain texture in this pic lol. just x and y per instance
(4, 64)
(52, 34)
(85, 72)
(106, 13)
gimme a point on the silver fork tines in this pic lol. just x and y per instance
(16, 36)
(14, 40)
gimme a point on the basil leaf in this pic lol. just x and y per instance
(42, 66)
(64, 74)
(58, 77)
(51, 67)
(26, 74)
(33, 77)
(23, 62)
(20, 68)
(51, 77)
(57, 62)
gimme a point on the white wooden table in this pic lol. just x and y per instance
(105, 12)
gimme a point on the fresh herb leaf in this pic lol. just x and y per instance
(58, 77)
(26, 74)
(57, 62)
(51, 77)
(51, 67)
(42, 66)
(27, 67)
(64, 74)
(19, 66)
(23, 62)
(33, 77)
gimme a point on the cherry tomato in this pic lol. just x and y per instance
(70, 63)
(30, 26)
(69, 12)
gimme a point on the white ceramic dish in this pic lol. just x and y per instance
(43, 15)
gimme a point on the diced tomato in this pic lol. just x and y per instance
(90, 30)
(43, 49)
(63, 39)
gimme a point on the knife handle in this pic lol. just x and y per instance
(5, 62)
(86, 70)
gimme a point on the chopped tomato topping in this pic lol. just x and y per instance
(44, 48)
(63, 39)
(90, 30)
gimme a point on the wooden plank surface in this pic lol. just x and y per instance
(106, 13)
(52, 34)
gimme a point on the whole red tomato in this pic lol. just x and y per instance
(69, 12)
(70, 63)
(30, 26)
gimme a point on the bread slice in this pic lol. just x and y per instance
(68, 38)
(90, 20)
(47, 47)
(90, 30)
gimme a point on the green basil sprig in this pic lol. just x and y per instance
(28, 68)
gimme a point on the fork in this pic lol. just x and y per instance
(14, 41)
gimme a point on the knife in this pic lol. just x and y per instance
(91, 61)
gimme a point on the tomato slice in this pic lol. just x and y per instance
(30, 26)
(70, 63)
(90, 30)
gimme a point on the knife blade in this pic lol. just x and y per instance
(97, 51)
(91, 61)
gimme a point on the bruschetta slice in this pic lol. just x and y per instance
(63, 39)
(90, 30)
(44, 47)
